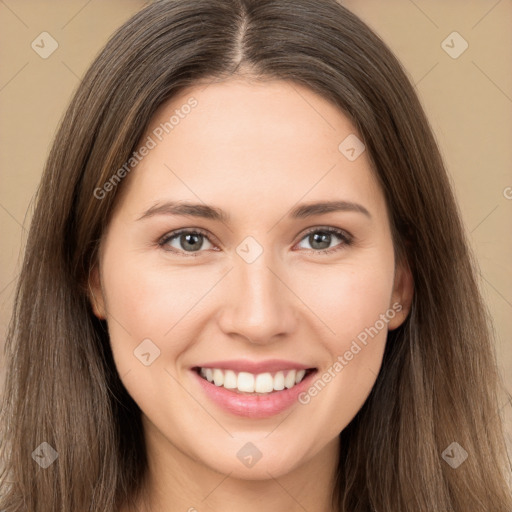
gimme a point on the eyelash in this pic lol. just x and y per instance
(346, 238)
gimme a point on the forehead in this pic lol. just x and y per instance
(258, 116)
(241, 140)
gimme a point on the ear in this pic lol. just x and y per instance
(96, 293)
(401, 298)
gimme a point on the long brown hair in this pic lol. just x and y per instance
(438, 383)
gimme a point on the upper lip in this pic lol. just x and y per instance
(255, 367)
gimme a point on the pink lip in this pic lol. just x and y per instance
(253, 406)
(255, 367)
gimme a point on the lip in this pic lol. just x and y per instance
(253, 406)
(255, 367)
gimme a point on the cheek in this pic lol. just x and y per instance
(149, 303)
(354, 303)
(347, 298)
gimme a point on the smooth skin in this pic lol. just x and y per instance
(256, 150)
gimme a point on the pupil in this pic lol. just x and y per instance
(324, 239)
(185, 240)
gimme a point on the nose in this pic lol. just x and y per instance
(259, 305)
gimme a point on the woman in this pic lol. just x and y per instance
(246, 283)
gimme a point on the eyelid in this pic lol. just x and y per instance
(342, 233)
(173, 234)
(346, 237)
(162, 241)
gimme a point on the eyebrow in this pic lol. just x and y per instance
(205, 211)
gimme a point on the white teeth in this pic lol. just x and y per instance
(300, 376)
(246, 382)
(230, 380)
(289, 380)
(279, 381)
(218, 377)
(264, 383)
(250, 383)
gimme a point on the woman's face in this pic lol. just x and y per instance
(250, 246)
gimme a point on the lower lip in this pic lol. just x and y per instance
(253, 406)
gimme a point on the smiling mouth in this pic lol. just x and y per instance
(254, 384)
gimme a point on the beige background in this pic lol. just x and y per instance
(468, 100)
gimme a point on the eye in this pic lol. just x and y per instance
(320, 239)
(187, 241)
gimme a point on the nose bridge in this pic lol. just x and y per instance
(259, 306)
